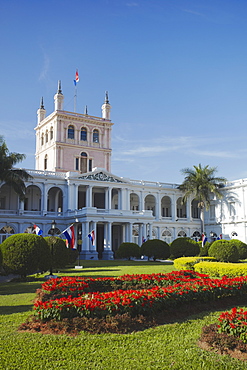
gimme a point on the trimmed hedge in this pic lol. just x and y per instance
(128, 250)
(25, 254)
(219, 269)
(204, 249)
(224, 251)
(188, 263)
(155, 248)
(241, 247)
(184, 247)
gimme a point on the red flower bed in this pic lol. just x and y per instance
(234, 323)
(191, 286)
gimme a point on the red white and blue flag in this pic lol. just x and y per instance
(91, 236)
(69, 234)
(37, 230)
(77, 79)
(219, 237)
(204, 239)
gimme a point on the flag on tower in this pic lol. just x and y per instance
(69, 234)
(91, 236)
(37, 230)
(77, 79)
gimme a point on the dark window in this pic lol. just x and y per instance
(95, 136)
(77, 164)
(71, 132)
(90, 165)
(84, 134)
(45, 163)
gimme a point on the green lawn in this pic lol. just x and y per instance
(172, 346)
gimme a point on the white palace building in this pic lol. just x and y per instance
(73, 184)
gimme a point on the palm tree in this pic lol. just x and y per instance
(201, 183)
(12, 176)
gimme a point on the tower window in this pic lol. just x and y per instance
(84, 134)
(95, 136)
(71, 132)
(46, 136)
(51, 133)
(42, 139)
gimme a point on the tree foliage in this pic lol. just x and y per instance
(184, 247)
(128, 250)
(25, 254)
(158, 249)
(224, 251)
(200, 183)
(59, 251)
(14, 177)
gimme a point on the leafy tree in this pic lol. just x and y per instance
(224, 251)
(14, 177)
(184, 247)
(200, 183)
(128, 250)
(155, 248)
(24, 254)
(59, 252)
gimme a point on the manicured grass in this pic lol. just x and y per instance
(172, 346)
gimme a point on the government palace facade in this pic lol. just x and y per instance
(72, 184)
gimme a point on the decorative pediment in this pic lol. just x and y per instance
(100, 175)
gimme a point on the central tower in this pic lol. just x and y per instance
(67, 141)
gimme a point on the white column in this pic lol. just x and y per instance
(85, 238)
(142, 202)
(89, 196)
(157, 206)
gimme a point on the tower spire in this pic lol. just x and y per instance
(106, 98)
(59, 88)
(106, 108)
(42, 103)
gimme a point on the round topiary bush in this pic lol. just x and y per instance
(184, 247)
(25, 254)
(223, 251)
(155, 248)
(59, 251)
(128, 250)
(241, 247)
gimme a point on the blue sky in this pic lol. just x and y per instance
(176, 72)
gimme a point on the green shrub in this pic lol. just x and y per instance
(59, 251)
(223, 251)
(241, 247)
(73, 255)
(155, 248)
(128, 250)
(204, 249)
(188, 263)
(184, 247)
(219, 269)
(24, 254)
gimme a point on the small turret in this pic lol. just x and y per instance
(58, 98)
(106, 108)
(41, 112)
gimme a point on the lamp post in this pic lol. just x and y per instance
(53, 241)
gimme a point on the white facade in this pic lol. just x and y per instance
(72, 183)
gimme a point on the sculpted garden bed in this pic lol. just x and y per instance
(135, 302)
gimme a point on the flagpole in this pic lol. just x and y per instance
(75, 96)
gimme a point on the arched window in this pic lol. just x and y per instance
(42, 139)
(84, 134)
(51, 133)
(95, 136)
(46, 136)
(182, 234)
(83, 166)
(45, 162)
(71, 132)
